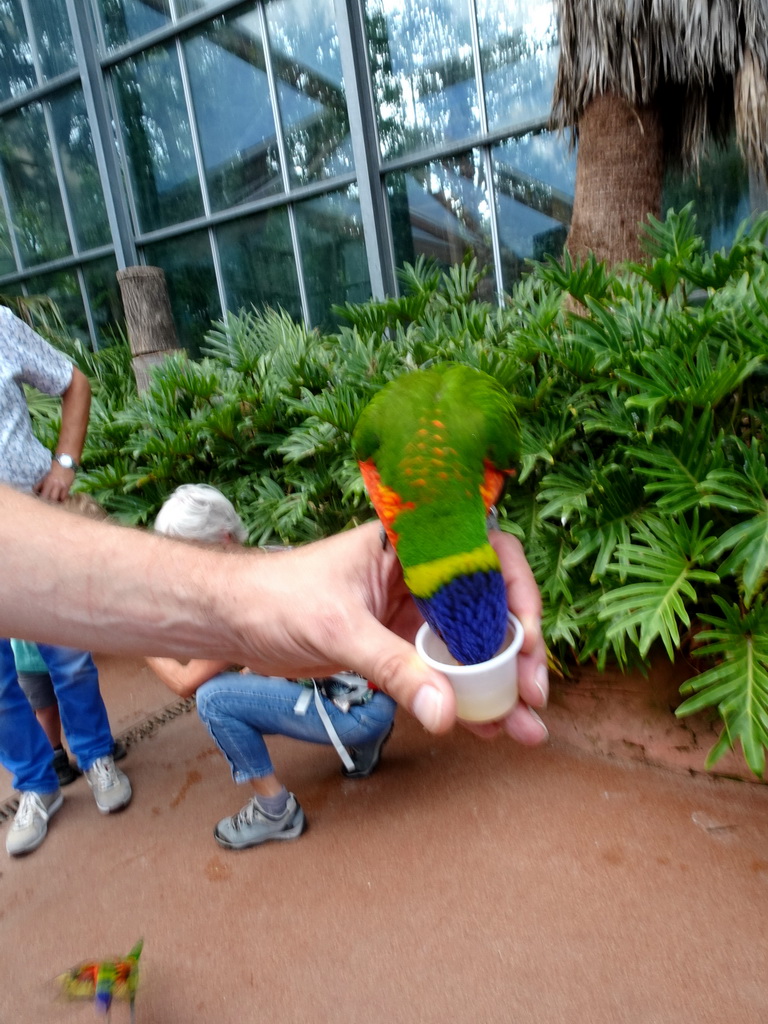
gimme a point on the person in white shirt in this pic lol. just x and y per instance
(28, 466)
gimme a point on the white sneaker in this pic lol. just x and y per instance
(30, 826)
(110, 787)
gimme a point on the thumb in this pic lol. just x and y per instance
(393, 665)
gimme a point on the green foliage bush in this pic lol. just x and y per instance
(641, 494)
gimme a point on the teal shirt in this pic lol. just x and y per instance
(27, 657)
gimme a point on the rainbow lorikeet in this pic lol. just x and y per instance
(434, 447)
(104, 980)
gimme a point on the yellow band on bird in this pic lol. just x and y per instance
(426, 579)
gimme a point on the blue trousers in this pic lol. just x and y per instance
(239, 710)
(24, 747)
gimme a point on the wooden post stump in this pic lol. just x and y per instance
(148, 317)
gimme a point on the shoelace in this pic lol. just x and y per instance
(247, 814)
(28, 805)
(250, 813)
(104, 772)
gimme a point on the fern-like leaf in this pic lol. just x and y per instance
(737, 684)
(744, 491)
(665, 554)
(682, 466)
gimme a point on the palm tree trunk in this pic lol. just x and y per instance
(619, 175)
(148, 319)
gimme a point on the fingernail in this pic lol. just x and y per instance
(428, 707)
(541, 682)
(536, 718)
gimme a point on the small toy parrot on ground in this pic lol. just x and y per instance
(434, 447)
(105, 980)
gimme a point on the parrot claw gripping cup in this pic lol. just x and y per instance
(434, 447)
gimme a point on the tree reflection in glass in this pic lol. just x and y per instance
(104, 298)
(192, 6)
(17, 70)
(332, 254)
(423, 73)
(304, 46)
(64, 288)
(126, 20)
(72, 131)
(55, 46)
(37, 212)
(518, 46)
(157, 138)
(7, 261)
(258, 263)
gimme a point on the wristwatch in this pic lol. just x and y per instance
(66, 461)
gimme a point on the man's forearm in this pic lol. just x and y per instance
(340, 603)
(105, 587)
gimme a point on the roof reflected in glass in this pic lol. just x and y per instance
(230, 94)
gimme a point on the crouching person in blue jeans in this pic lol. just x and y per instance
(240, 708)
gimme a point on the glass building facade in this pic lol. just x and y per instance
(284, 153)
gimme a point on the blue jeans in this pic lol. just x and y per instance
(239, 710)
(24, 747)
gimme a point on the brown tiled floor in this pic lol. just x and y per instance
(464, 882)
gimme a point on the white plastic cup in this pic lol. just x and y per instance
(484, 692)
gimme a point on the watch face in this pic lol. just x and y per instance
(66, 461)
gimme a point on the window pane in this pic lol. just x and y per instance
(518, 43)
(719, 191)
(192, 6)
(258, 264)
(17, 72)
(81, 175)
(124, 20)
(234, 116)
(423, 73)
(333, 254)
(441, 211)
(12, 289)
(305, 56)
(158, 142)
(191, 281)
(64, 288)
(7, 261)
(534, 178)
(37, 212)
(103, 295)
(53, 34)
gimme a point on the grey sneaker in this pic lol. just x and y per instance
(30, 826)
(251, 826)
(366, 759)
(110, 787)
